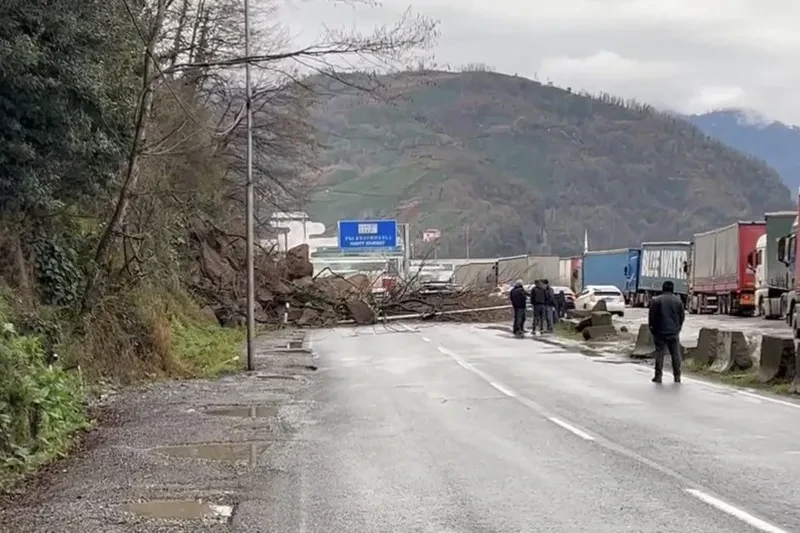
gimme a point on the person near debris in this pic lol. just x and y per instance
(539, 303)
(550, 305)
(561, 304)
(519, 301)
(665, 321)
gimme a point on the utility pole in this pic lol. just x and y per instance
(466, 240)
(251, 277)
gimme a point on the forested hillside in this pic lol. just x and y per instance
(529, 167)
(122, 151)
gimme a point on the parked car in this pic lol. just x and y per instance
(568, 293)
(615, 300)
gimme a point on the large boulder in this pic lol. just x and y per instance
(297, 264)
(361, 312)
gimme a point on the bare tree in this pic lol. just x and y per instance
(191, 60)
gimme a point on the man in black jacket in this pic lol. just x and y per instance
(539, 303)
(519, 301)
(665, 321)
(550, 305)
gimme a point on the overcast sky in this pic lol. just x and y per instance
(686, 55)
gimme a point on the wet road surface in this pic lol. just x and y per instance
(456, 428)
(432, 429)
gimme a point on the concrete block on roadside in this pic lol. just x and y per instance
(601, 318)
(778, 360)
(593, 333)
(706, 351)
(732, 352)
(794, 387)
(645, 345)
(577, 314)
(600, 306)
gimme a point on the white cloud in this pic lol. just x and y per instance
(687, 55)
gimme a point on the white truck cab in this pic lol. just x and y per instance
(756, 262)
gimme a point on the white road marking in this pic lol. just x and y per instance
(426, 339)
(727, 508)
(513, 394)
(768, 399)
(569, 427)
(223, 511)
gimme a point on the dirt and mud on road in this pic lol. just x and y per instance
(175, 451)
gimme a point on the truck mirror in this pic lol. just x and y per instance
(685, 267)
(626, 271)
(782, 249)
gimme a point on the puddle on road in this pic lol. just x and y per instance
(180, 510)
(228, 452)
(243, 411)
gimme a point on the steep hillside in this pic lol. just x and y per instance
(529, 167)
(776, 143)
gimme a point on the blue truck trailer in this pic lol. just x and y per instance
(613, 267)
(662, 261)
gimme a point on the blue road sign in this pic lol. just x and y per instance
(367, 235)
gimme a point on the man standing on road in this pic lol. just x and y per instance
(550, 305)
(539, 304)
(519, 300)
(665, 321)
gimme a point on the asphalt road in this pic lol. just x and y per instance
(430, 429)
(456, 428)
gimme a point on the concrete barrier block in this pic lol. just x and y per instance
(594, 333)
(645, 346)
(601, 318)
(600, 306)
(706, 351)
(778, 360)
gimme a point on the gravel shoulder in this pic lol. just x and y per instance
(122, 462)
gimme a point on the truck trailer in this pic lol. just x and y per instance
(528, 268)
(772, 276)
(787, 255)
(659, 262)
(619, 268)
(720, 279)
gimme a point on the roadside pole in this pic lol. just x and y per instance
(251, 327)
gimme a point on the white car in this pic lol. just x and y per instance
(591, 294)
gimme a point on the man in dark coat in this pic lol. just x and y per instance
(519, 301)
(561, 304)
(666, 321)
(539, 303)
(550, 305)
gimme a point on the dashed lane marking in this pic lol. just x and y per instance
(736, 512)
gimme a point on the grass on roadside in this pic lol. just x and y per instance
(207, 350)
(747, 379)
(567, 331)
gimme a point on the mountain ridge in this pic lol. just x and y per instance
(529, 167)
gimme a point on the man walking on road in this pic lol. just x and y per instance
(519, 301)
(539, 303)
(665, 321)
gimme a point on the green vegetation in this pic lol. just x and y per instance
(41, 405)
(121, 195)
(745, 379)
(530, 167)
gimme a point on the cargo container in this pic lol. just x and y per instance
(720, 279)
(528, 268)
(772, 276)
(569, 270)
(619, 268)
(477, 275)
(659, 262)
